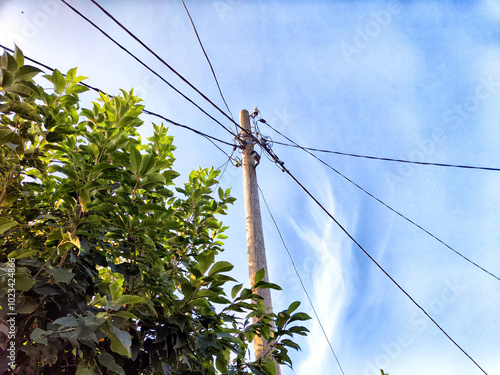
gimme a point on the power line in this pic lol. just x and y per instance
(248, 134)
(210, 137)
(146, 66)
(208, 60)
(300, 279)
(384, 204)
(281, 165)
(145, 111)
(159, 58)
(279, 162)
(381, 158)
(377, 264)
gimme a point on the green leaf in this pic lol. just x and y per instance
(22, 253)
(147, 164)
(84, 199)
(259, 275)
(153, 178)
(18, 56)
(235, 290)
(58, 81)
(26, 305)
(6, 224)
(39, 336)
(149, 207)
(125, 314)
(6, 134)
(88, 325)
(60, 275)
(221, 364)
(67, 321)
(102, 166)
(76, 89)
(121, 342)
(135, 160)
(293, 306)
(108, 361)
(221, 266)
(25, 73)
(116, 289)
(269, 366)
(84, 369)
(8, 62)
(256, 370)
(6, 79)
(54, 137)
(299, 316)
(206, 259)
(128, 299)
(206, 293)
(264, 285)
(299, 330)
(70, 75)
(24, 282)
(290, 343)
(171, 174)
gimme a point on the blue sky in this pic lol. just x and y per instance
(415, 80)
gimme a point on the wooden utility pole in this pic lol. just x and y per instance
(255, 236)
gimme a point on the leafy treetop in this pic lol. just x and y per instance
(115, 267)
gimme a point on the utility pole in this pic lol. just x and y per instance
(255, 236)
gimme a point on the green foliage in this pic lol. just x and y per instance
(116, 269)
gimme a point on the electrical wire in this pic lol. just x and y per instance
(145, 111)
(284, 169)
(300, 279)
(280, 164)
(385, 159)
(162, 60)
(386, 205)
(209, 137)
(207, 58)
(238, 126)
(145, 65)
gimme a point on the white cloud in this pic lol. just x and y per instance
(330, 285)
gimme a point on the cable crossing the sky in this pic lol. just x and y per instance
(383, 203)
(381, 158)
(284, 169)
(280, 164)
(208, 60)
(145, 111)
(238, 127)
(147, 67)
(162, 60)
(267, 149)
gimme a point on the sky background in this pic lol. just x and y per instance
(416, 80)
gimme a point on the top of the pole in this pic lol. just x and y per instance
(245, 119)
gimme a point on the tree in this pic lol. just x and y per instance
(114, 267)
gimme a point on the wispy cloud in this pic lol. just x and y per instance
(329, 286)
